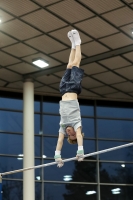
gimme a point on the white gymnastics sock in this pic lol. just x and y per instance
(70, 36)
(76, 37)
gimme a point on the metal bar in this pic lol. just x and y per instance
(0, 187)
(69, 159)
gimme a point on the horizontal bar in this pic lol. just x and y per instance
(67, 160)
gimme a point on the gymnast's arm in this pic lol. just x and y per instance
(79, 137)
(57, 156)
(80, 152)
(60, 142)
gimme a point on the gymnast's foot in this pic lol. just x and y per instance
(70, 36)
(76, 37)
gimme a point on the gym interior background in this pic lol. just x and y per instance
(38, 29)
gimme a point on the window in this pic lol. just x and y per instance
(116, 173)
(75, 180)
(73, 171)
(11, 121)
(69, 191)
(50, 107)
(117, 129)
(9, 103)
(51, 125)
(11, 144)
(88, 127)
(116, 192)
(115, 112)
(123, 154)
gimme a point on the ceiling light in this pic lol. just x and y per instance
(0, 20)
(44, 156)
(90, 192)
(67, 178)
(40, 63)
(123, 165)
(116, 191)
(38, 178)
(20, 157)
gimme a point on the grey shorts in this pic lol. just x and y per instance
(70, 115)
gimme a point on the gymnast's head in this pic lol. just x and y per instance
(72, 138)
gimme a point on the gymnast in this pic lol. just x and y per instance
(70, 88)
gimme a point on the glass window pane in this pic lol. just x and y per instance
(37, 124)
(9, 103)
(123, 154)
(116, 192)
(14, 144)
(87, 110)
(10, 164)
(37, 146)
(38, 174)
(51, 124)
(12, 190)
(50, 107)
(11, 144)
(69, 191)
(11, 121)
(88, 127)
(115, 129)
(73, 171)
(38, 191)
(116, 173)
(114, 112)
(36, 106)
(68, 150)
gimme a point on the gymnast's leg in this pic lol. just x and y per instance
(72, 52)
(77, 41)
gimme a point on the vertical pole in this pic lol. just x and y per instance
(28, 140)
(42, 149)
(97, 167)
(0, 187)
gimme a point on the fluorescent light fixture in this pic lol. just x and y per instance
(20, 157)
(40, 63)
(123, 165)
(116, 191)
(44, 156)
(38, 178)
(67, 178)
(0, 20)
(90, 192)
